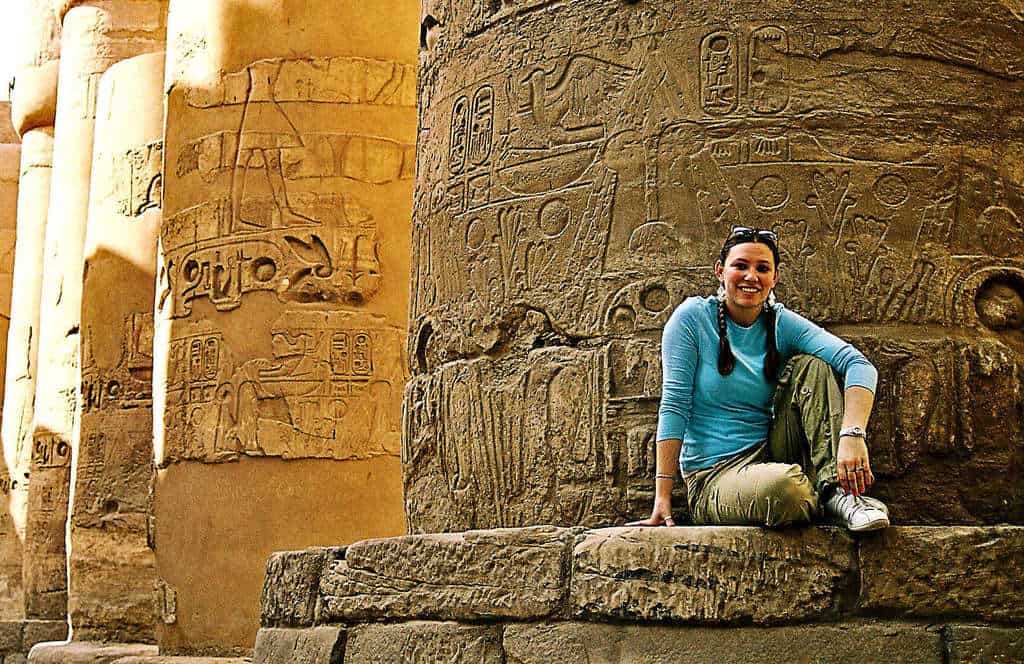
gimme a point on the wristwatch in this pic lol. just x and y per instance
(855, 432)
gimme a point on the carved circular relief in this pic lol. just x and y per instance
(1000, 304)
(475, 234)
(1000, 230)
(554, 217)
(263, 269)
(622, 320)
(719, 44)
(654, 298)
(191, 270)
(891, 190)
(770, 193)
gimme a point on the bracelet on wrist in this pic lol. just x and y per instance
(664, 476)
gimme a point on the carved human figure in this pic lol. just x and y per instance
(265, 133)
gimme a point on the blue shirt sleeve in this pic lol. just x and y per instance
(799, 335)
(679, 354)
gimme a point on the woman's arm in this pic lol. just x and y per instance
(853, 450)
(859, 381)
(666, 464)
(679, 355)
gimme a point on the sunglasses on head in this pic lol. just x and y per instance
(753, 234)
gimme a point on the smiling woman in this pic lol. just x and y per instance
(751, 410)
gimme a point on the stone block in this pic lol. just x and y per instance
(291, 586)
(84, 652)
(319, 645)
(424, 642)
(508, 573)
(945, 571)
(968, 644)
(852, 643)
(183, 660)
(10, 636)
(41, 631)
(712, 574)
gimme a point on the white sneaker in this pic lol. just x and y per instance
(858, 513)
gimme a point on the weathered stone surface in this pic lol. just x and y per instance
(23, 343)
(319, 645)
(92, 39)
(10, 636)
(183, 660)
(853, 643)
(536, 436)
(34, 98)
(11, 596)
(291, 589)
(968, 644)
(87, 653)
(7, 132)
(112, 568)
(712, 574)
(16, 658)
(945, 571)
(508, 573)
(579, 167)
(42, 631)
(424, 642)
(282, 296)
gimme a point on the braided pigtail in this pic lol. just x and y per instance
(726, 361)
(771, 355)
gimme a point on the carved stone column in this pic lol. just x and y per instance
(11, 597)
(32, 111)
(112, 569)
(579, 166)
(281, 306)
(93, 38)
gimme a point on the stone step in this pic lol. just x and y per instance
(697, 575)
(18, 636)
(85, 652)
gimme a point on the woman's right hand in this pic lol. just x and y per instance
(661, 515)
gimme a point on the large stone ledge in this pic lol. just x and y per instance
(505, 573)
(973, 644)
(582, 643)
(945, 571)
(707, 575)
(853, 641)
(85, 652)
(716, 575)
(423, 642)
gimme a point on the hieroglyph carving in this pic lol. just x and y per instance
(578, 169)
(332, 389)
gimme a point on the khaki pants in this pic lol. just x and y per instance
(777, 483)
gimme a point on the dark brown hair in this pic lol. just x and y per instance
(726, 360)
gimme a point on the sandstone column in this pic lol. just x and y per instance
(32, 111)
(93, 38)
(112, 571)
(579, 166)
(11, 598)
(280, 326)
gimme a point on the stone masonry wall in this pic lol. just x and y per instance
(541, 594)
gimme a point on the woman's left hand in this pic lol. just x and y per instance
(852, 465)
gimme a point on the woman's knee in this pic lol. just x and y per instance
(789, 496)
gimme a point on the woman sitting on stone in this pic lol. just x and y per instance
(751, 409)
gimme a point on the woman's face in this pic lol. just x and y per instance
(749, 274)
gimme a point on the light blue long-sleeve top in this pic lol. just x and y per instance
(720, 416)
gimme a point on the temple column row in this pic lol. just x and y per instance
(261, 411)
